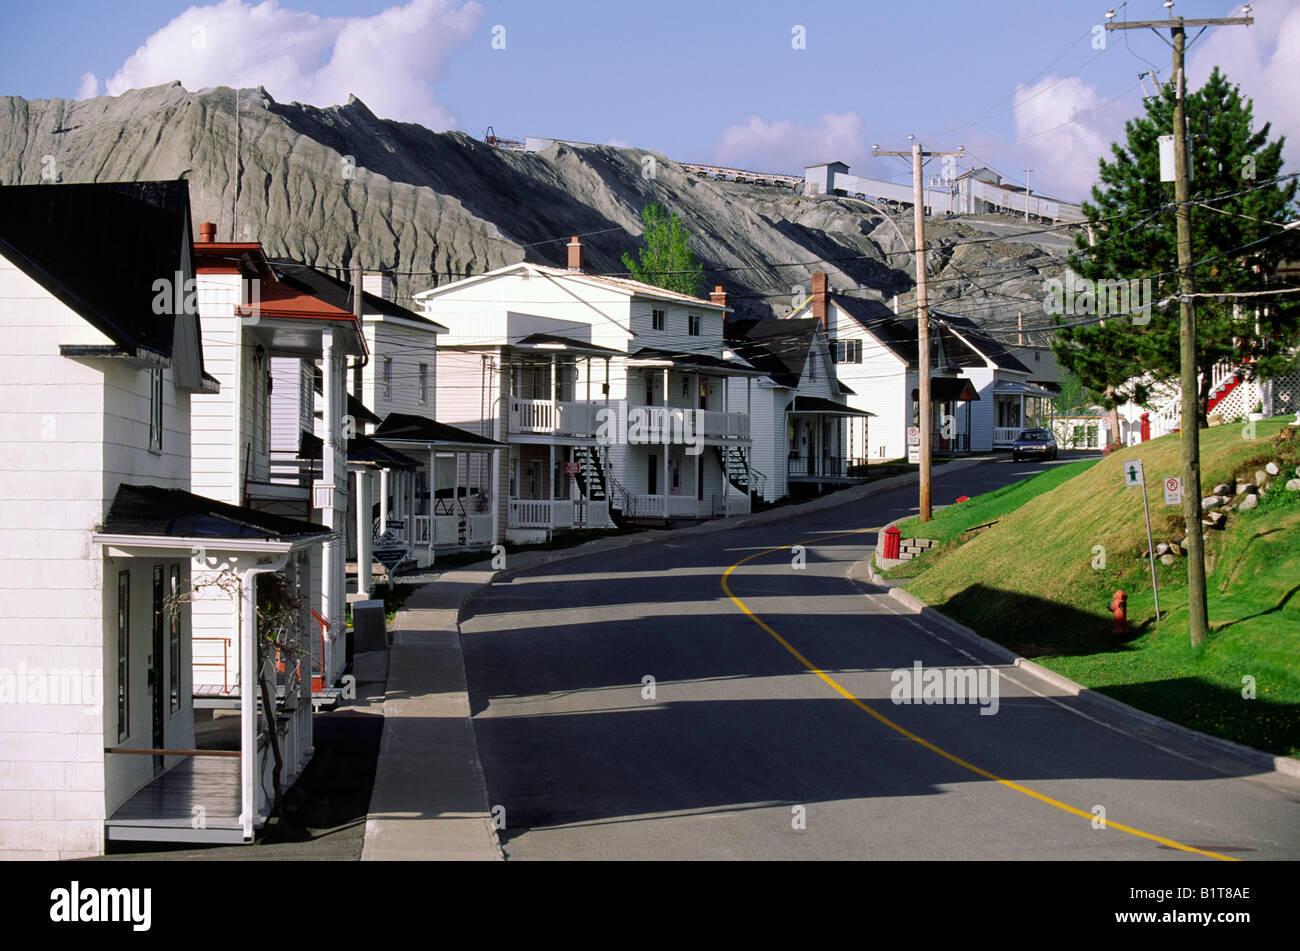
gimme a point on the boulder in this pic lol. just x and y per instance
(1273, 469)
(1168, 560)
(1293, 485)
(1248, 503)
(1211, 501)
(1176, 549)
(1260, 476)
(1162, 548)
(1244, 487)
(1223, 489)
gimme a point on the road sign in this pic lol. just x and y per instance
(571, 468)
(1173, 491)
(913, 435)
(914, 453)
(1133, 473)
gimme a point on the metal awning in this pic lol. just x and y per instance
(1013, 388)
(817, 405)
(950, 389)
(409, 430)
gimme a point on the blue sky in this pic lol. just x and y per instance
(693, 80)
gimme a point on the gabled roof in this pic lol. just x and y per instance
(541, 341)
(99, 248)
(174, 513)
(779, 348)
(622, 285)
(898, 334)
(338, 292)
(970, 331)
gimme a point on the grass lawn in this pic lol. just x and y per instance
(1037, 582)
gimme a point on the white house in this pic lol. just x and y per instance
(799, 421)
(100, 360)
(611, 394)
(262, 325)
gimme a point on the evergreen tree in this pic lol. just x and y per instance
(667, 260)
(1235, 231)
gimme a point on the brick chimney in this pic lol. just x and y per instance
(819, 298)
(575, 255)
(207, 232)
(718, 296)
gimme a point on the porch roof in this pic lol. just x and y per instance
(680, 360)
(409, 429)
(822, 406)
(1016, 388)
(555, 342)
(364, 450)
(147, 514)
(953, 389)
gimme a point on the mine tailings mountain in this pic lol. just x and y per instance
(325, 186)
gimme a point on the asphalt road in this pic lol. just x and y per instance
(770, 732)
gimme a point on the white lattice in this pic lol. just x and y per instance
(1286, 393)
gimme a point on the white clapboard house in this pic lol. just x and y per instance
(101, 360)
(804, 433)
(611, 394)
(262, 325)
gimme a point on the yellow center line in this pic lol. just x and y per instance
(979, 771)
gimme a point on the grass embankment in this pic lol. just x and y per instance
(1029, 582)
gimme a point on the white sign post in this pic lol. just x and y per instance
(1133, 476)
(1173, 491)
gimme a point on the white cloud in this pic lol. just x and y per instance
(88, 88)
(1065, 126)
(618, 143)
(388, 60)
(783, 146)
(1264, 59)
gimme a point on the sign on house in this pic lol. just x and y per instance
(1173, 491)
(571, 468)
(1133, 473)
(914, 435)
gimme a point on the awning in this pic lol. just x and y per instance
(951, 389)
(555, 342)
(819, 405)
(1014, 388)
(411, 430)
(364, 450)
(148, 516)
(678, 360)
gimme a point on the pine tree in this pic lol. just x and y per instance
(667, 260)
(1237, 242)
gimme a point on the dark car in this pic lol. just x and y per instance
(1033, 443)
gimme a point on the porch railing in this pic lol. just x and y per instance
(1006, 435)
(816, 466)
(559, 417)
(676, 420)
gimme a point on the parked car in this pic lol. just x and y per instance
(1033, 443)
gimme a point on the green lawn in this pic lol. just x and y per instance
(1035, 582)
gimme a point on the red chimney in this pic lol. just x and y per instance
(718, 296)
(207, 232)
(575, 254)
(819, 298)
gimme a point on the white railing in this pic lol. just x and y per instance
(1006, 435)
(564, 418)
(682, 506)
(451, 530)
(541, 513)
(677, 421)
(422, 529)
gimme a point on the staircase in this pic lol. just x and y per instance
(735, 462)
(591, 474)
(1225, 378)
(620, 500)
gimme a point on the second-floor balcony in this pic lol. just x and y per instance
(580, 418)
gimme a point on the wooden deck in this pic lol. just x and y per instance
(200, 791)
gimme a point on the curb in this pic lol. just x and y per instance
(1282, 764)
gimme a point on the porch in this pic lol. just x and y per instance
(1016, 407)
(819, 434)
(197, 800)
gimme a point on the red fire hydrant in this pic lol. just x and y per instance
(1119, 605)
(889, 544)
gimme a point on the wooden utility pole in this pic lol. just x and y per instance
(1197, 609)
(1028, 172)
(922, 315)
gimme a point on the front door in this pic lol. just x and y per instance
(156, 660)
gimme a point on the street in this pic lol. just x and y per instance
(651, 703)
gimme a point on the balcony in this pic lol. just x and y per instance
(554, 417)
(706, 423)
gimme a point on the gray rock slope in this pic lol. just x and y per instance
(327, 185)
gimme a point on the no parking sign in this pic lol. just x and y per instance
(1173, 491)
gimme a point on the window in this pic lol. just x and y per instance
(155, 410)
(693, 325)
(388, 378)
(847, 351)
(652, 475)
(123, 654)
(656, 320)
(424, 382)
(174, 639)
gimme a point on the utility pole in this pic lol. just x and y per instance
(1028, 172)
(922, 314)
(1197, 610)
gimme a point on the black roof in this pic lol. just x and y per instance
(151, 510)
(984, 343)
(777, 347)
(898, 334)
(99, 248)
(532, 340)
(819, 404)
(406, 426)
(363, 449)
(337, 292)
(699, 361)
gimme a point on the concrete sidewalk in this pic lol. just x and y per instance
(430, 797)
